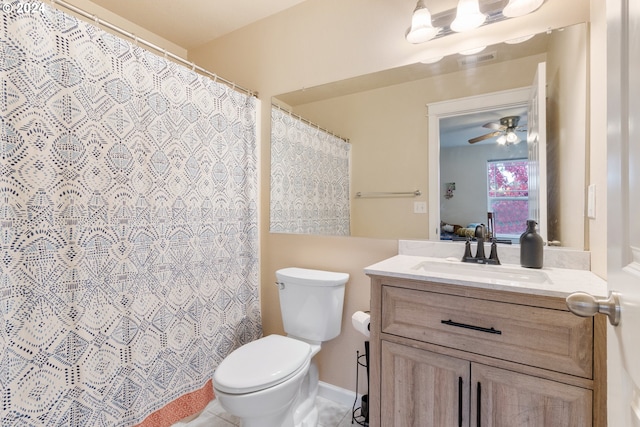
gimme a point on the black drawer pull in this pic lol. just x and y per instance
(479, 406)
(459, 401)
(475, 328)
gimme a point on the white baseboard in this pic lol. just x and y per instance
(337, 394)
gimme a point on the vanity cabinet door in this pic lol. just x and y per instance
(501, 398)
(421, 388)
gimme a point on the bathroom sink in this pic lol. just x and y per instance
(493, 273)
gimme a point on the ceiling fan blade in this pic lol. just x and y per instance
(495, 126)
(483, 137)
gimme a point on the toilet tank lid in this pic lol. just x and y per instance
(309, 277)
(261, 364)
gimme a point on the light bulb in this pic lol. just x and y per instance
(421, 29)
(501, 140)
(468, 16)
(517, 8)
(512, 137)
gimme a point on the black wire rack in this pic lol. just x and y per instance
(360, 415)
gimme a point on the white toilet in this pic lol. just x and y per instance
(273, 381)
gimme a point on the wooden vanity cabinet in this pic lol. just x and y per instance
(450, 355)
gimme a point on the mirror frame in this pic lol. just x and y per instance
(459, 107)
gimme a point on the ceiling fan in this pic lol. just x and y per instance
(505, 131)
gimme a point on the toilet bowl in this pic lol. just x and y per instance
(273, 381)
(260, 381)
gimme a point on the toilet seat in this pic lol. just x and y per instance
(261, 364)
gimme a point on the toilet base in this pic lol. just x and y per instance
(302, 413)
(305, 411)
(271, 407)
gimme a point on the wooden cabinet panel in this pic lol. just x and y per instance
(508, 399)
(420, 388)
(551, 339)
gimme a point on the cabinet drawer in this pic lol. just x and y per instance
(550, 339)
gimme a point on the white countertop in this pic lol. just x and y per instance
(561, 281)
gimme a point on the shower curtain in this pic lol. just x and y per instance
(128, 227)
(309, 178)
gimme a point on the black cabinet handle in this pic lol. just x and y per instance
(474, 327)
(479, 405)
(459, 401)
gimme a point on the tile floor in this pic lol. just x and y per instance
(331, 414)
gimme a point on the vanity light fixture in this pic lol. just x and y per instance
(517, 8)
(421, 29)
(468, 16)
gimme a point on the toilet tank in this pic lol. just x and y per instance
(311, 302)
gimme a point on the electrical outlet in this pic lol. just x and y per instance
(420, 207)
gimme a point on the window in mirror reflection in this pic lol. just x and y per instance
(508, 196)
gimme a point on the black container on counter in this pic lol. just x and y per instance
(531, 244)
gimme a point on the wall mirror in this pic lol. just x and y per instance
(384, 116)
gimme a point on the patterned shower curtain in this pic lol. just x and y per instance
(128, 227)
(309, 178)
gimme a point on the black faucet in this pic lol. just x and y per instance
(480, 257)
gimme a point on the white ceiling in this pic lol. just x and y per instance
(191, 23)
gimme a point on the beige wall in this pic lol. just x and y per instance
(317, 42)
(107, 16)
(597, 153)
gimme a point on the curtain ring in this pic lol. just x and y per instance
(193, 66)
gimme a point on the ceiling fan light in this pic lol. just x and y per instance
(517, 8)
(512, 137)
(421, 29)
(468, 16)
(502, 140)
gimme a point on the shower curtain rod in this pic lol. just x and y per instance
(148, 44)
(302, 119)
